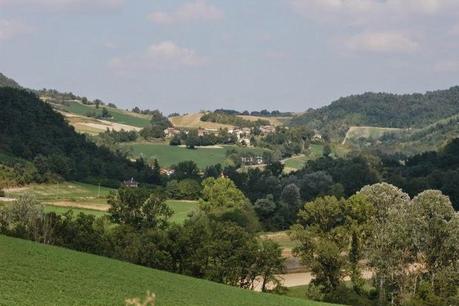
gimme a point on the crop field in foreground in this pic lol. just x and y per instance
(35, 274)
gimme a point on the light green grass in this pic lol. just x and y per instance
(62, 210)
(119, 116)
(171, 155)
(369, 132)
(181, 209)
(63, 191)
(298, 162)
(282, 238)
(35, 274)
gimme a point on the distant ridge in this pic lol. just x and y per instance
(382, 110)
(7, 82)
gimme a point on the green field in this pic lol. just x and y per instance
(181, 210)
(93, 199)
(170, 155)
(63, 191)
(119, 116)
(298, 162)
(369, 132)
(35, 274)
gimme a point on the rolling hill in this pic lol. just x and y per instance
(36, 274)
(32, 131)
(381, 110)
(7, 82)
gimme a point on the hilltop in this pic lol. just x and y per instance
(381, 110)
(7, 82)
(48, 148)
(35, 274)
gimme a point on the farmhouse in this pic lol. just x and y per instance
(170, 132)
(131, 183)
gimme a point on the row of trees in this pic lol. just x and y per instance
(217, 243)
(410, 247)
(192, 138)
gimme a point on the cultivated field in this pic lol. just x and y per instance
(298, 162)
(367, 132)
(169, 155)
(119, 115)
(35, 274)
(275, 121)
(93, 126)
(193, 121)
(87, 199)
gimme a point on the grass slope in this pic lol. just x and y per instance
(35, 274)
(169, 155)
(193, 121)
(298, 162)
(87, 199)
(119, 115)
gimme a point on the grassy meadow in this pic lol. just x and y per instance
(88, 199)
(169, 155)
(119, 115)
(35, 274)
(297, 162)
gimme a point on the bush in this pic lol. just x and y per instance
(2, 193)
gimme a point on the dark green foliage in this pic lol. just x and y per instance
(430, 170)
(225, 118)
(31, 130)
(7, 82)
(119, 136)
(139, 207)
(186, 189)
(157, 125)
(381, 110)
(185, 169)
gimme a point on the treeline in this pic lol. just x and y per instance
(285, 142)
(7, 82)
(408, 249)
(381, 110)
(33, 132)
(262, 113)
(55, 96)
(157, 126)
(192, 139)
(217, 243)
(225, 118)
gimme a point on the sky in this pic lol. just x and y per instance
(190, 55)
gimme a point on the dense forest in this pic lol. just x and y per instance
(32, 131)
(7, 82)
(382, 110)
(224, 117)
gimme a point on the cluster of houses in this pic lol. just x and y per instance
(243, 134)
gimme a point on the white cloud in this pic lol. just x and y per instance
(64, 4)
(360, 7)
(10, 29)
(169, 53)
(384, 42)
(163, 55)
(198, 10)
